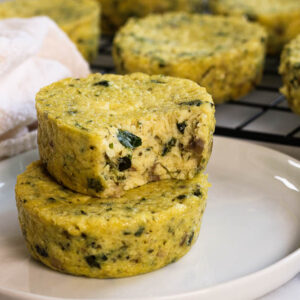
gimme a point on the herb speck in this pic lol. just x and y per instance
(92, 261)
(95, 184)
(140, 231)
(102, 83)
(168, 146)
(181, 127)
(128, 139)
(124, 163)
(41, 251)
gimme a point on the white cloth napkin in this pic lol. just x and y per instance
(34, 52)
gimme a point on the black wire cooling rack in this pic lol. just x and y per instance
(263, 115)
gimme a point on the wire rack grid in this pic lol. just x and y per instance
(263, 115)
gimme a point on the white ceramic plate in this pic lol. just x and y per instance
(248, 245)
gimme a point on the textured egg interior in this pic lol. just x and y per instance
(104, 134)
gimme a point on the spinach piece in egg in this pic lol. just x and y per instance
(95, 184)
(168, 146)
(124, 163)
(181, 126)
(128, 139)
(104, 83)
(196, 102)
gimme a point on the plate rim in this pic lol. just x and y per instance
(288, 265)
(215, 291)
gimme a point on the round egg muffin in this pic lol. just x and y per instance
(116, 13)
(146, 229)
(105, 134)
(223, 54)
(290, 71)
(281, 18)
(79, 19)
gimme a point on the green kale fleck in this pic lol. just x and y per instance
(168, 146)
(124, 163)
(104, 83)
(181, 197)
(95, 184)
(51, 199)
(197, 193)
(251, 16)
(161, 62)
(140, 231)
(221, 33)
(67, 234)
(92, 261)
(80, 126)
(72, 112)
(128, 139)
(41, 251)
(103, 257)
(181, 127)
(189, 241)
(196, 102)
(157, 81)
(141, 39)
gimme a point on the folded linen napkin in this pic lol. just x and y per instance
(34, 52)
